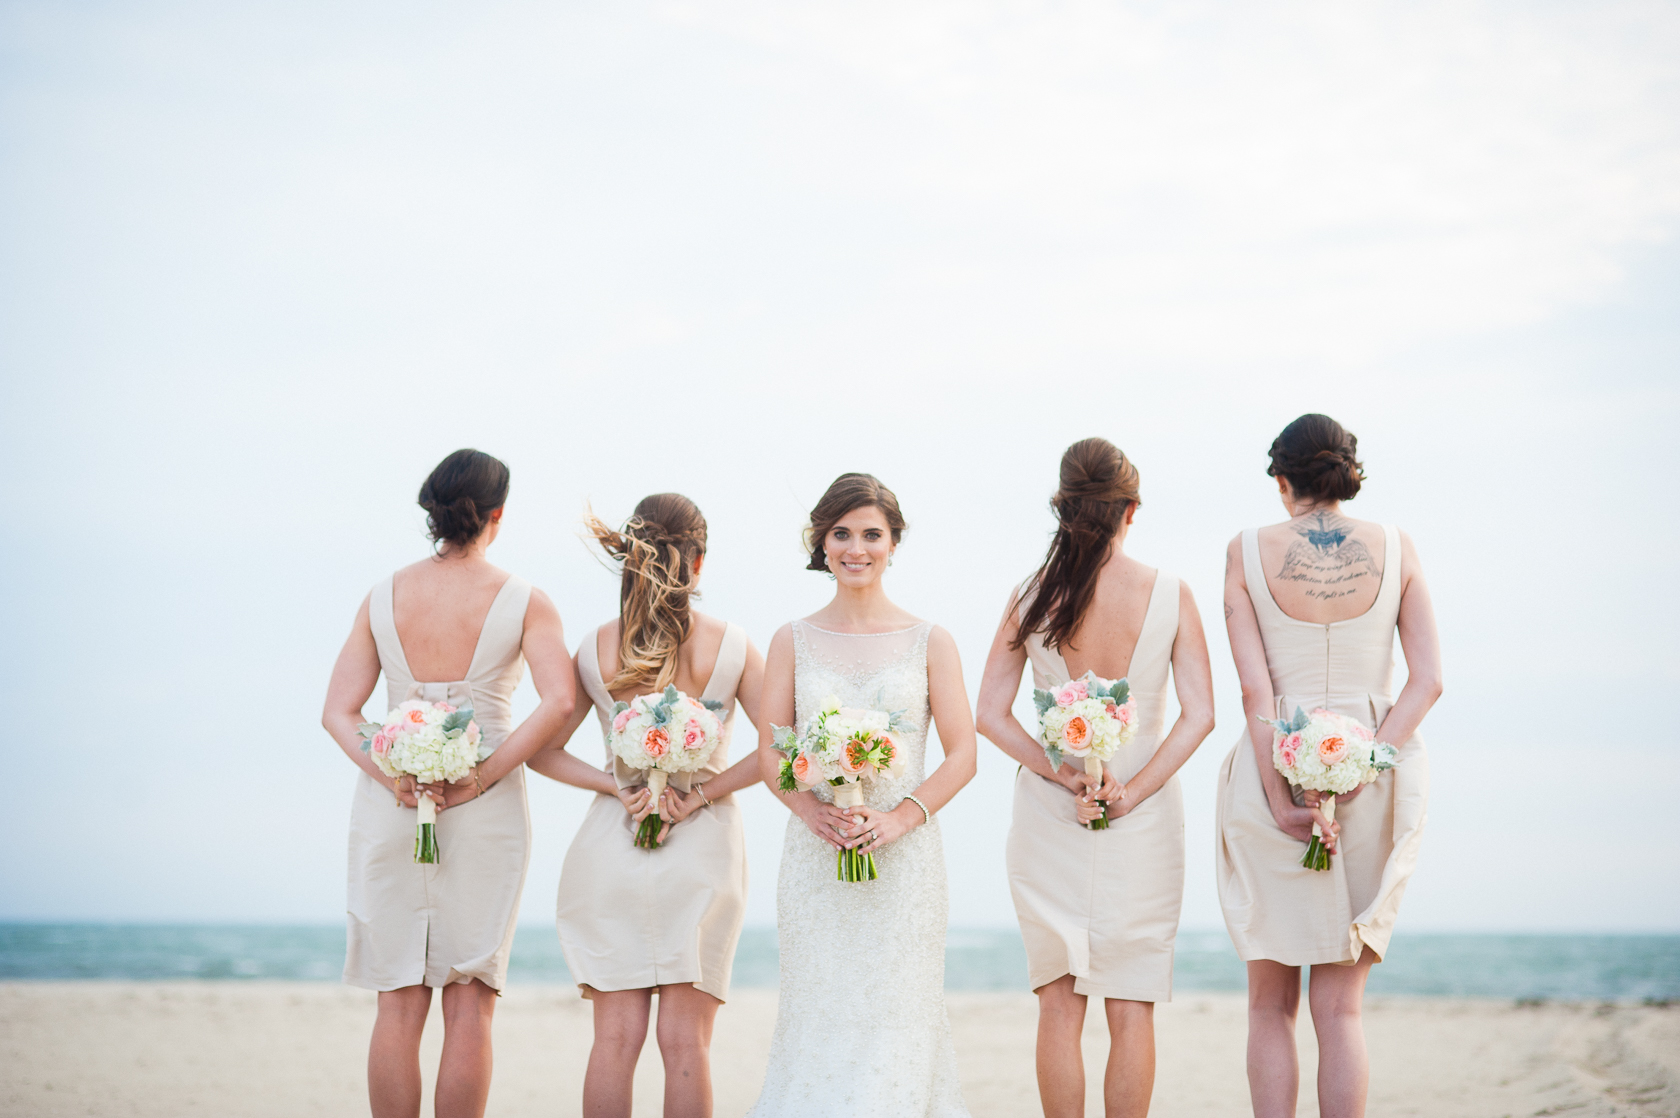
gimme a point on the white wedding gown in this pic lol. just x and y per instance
(861, 1027)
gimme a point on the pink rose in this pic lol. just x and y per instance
(445, 707)
(1071, 693)
(806, 769)
(414, 717)
(1362, 733)
(656, 743)
(474, 733)
(382, 742)
(622, 719)
(1127, 712)
(1290, 748)
(693, 736)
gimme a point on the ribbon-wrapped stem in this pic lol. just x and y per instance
(425, 829)
(1318, 855)
(647, 835)
(851, 865)
(1094, 769)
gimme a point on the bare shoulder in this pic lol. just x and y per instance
(781, 642)
(706, 627)
(1234, 560)
(942, 646)
(541, 606)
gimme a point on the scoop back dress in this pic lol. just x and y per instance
(1103, 906)
(1274, 907)
(412, 924)
(630, 919)
(861, 1027)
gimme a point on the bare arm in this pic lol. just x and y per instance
(750, 692)
(1249, 651)
(996, 708)
(1421, 646)
(1193, 680)
(776, 708)
(353, 679)
(948, 703)
(557, 762)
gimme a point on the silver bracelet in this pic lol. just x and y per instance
(701, 788)
(927, 816)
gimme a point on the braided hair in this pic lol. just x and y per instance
(657, 548)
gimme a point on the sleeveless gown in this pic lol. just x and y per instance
(1103, 906)
(630, 919)
(861, 1027)
(412, 924)
(1274, 907)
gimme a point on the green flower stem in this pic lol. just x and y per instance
(647, 835)
(425, 844)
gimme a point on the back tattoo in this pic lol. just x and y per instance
(1326, 558)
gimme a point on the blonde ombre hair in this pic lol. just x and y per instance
(658, 548)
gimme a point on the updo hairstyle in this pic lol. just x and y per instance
(1098, 485)
(1319, 458)
(460, 494)
(847, 493)
(658, 547)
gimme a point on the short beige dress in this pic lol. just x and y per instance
(1274, 907)
(433, 925)
(630, 919)
(1103, 906)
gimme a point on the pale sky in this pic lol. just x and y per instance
(261, 267)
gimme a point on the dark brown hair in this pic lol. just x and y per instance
(1319, 457)
(460, 494)
(658, 546)
(846, 493)
(1098, 485)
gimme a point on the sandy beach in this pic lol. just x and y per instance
(285, 1049)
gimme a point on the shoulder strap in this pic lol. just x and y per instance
(382, 620)
(1160, 623)
(1253, 574)
(731, 662)
(589, 667)
(504, 627)
(1388, 594)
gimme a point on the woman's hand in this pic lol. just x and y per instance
(637, 801)
(407, 792)
(1297, 822)
(1314, 799)
(1074, 780)
(825, 820)
(1088, 809)
(872, 830)
(458, 792)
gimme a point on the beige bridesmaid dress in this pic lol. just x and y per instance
(1103, 906)
(629, 918)
(412, 924)
(1274, 907)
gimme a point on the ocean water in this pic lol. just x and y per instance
(1557, 967)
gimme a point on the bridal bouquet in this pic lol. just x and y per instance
(1329, 753)
(1089, 718)
(842, 746)
(434, 743)
(660, 734)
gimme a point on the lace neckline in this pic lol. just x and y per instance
(889, 633)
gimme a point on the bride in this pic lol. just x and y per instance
(861, 1026)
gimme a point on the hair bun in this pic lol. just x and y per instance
(461, 493)
(1319, 458)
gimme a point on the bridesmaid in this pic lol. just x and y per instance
(451, 617)
(1099, 909)
(1311, 606)
(634, 923)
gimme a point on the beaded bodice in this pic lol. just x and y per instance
(879, 671)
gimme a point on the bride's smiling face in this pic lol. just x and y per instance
(858, 547)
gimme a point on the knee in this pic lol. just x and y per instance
(1336, 1012)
